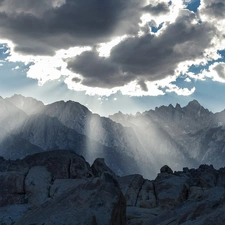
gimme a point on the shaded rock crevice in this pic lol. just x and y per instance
(69, 168)
(138, 193)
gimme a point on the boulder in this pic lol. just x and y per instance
(131, 186)
(12, 188)
(61, 164)
(146, 197)
(79, 168)
(99, 166)
(62, 185)
(95, 202)
(37, 185)
(166, 169)
(10, 214)
(207, 178)
(221, 177)
(170, 190)
(195, 193)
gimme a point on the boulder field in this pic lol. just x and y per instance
(60, 188)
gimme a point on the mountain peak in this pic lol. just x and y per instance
(177, 106)
(194, 103)
(28, 104)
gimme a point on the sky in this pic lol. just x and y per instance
(114, 55)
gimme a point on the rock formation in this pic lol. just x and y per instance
(61, 188)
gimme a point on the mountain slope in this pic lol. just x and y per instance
(11, 117)
(103, 130)
(49, 133)
(184, 136)
(180, 136)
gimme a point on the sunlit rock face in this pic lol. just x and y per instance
(60, 187)
(27, 104)
(11, 117)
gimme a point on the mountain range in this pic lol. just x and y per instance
(142, 143)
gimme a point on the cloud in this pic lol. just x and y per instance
(180, 91)
(215, 71)
(121, 53)
(148, 57)
(187, 80)
(98, 71)
(214, 12)
(220, 69)
(158, 9)
(36, 8)
(46, 26)
(143, 85)
(213, 8)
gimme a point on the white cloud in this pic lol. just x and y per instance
(105, 48)
(216, 72)
(180, 91)
(46, 68)
(188, 80)
(16, 68)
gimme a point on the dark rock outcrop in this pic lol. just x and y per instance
(94, 202)
(59, 187)
(166, 169)
(99, 167)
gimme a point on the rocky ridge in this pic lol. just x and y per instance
(189, 135)
(28, 126)
(61, 188)
(179, 136)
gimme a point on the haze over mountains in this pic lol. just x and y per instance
(141, 143)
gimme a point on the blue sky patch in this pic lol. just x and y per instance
(193, 5)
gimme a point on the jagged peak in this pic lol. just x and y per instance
(194, 103)
(69, 102)
(68, 107)
(19, 96)
(177, 106)
(138, 114)
(29, 105)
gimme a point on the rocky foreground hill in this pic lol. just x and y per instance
(61, 188)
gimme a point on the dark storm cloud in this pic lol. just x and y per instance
(149, 57)
(143, 85)
(76, 80)
(214, 8)
(155, 57)
(155, 10)
(75, 23)
(98, 71)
